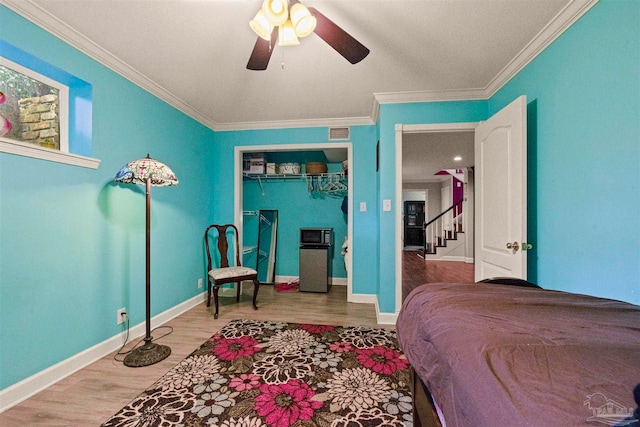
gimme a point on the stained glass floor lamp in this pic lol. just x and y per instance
(149, 172)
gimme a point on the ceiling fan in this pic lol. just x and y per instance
(276, 21)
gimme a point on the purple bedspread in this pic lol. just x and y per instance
(497, 355)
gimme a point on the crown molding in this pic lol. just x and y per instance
(563, 20)
(34, 13)
(284, 124)
(375, 110)
(558, 25)
(428, 96)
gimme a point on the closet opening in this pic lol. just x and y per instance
(319, 199)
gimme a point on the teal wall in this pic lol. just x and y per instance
(72, 249)
(584, 150)
(365, 237)
(296, 208)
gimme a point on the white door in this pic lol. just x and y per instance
(501, 193)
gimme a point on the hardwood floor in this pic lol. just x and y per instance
(417, 271)
(93, 394)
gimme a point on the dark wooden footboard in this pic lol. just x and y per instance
(424, 411)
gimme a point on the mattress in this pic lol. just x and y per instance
(497, 355)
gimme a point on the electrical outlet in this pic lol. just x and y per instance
(121, 315)
(199, 283)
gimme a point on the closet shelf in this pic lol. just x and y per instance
(332, 184)
(302, 176)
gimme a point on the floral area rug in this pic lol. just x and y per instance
(273, 374)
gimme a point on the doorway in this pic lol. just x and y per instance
(500, 183)
(239, 151)
(406, 133)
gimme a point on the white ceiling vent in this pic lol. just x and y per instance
(338, 133)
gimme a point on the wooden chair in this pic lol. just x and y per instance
(226, 273)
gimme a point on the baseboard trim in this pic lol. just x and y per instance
(385, 318)
(28, 387)
(431, 257)
(363, 298)
(339, 281)
(381, 318)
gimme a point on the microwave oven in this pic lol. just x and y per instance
(316, 236)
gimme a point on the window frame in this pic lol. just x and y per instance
(75, 110)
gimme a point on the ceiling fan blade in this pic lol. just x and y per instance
(261, 53)
(352, 50)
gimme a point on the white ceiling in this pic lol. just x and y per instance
(193, 53)
(424, 154)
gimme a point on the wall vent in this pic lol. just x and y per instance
(338, 133)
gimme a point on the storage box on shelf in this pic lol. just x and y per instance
(253, 163)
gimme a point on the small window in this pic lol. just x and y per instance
(45, 113)
(33, 108)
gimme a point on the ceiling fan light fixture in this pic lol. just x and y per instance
(276, 11)
(261, 26)
(303, 21)
(298, 21)
(287, 35)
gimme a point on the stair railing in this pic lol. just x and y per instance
(444, 226)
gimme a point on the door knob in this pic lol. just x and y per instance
(515, 246)
(526, 246)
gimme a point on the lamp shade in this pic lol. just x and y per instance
(141, 170)
(261, 26)
(276, 11)
(303, 21)
(287, 35)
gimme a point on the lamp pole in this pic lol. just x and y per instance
(148, 272)
(147, 171)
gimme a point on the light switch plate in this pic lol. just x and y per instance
(386, 205)
(363, 206)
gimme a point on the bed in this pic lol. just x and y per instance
(500, 355)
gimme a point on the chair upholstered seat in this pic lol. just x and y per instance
(228, 272)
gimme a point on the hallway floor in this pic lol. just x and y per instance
(417, 271)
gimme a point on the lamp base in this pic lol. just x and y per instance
(146, 355)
